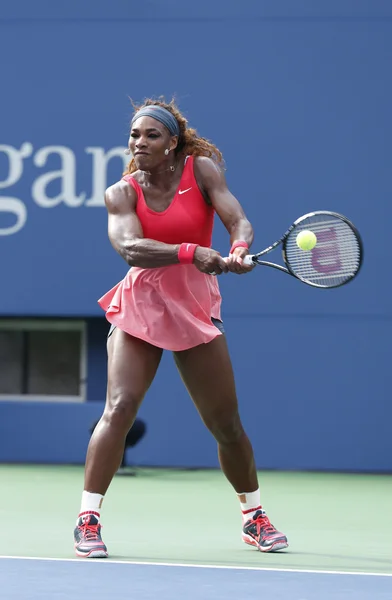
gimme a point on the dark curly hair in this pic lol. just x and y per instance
(189, 142)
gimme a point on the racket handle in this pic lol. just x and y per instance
(248, 260)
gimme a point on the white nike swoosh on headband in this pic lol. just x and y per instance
(183, 191)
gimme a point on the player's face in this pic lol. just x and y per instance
(148, 142)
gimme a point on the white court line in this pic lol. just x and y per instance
(193, 566)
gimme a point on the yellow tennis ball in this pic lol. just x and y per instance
(306, 240)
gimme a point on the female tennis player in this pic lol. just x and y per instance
(161, 217)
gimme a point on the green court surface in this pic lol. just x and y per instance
(334, 522)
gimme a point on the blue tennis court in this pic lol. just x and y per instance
(49, 579)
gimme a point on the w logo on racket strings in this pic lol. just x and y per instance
(325, 255)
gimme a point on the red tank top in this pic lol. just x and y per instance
(188, 218)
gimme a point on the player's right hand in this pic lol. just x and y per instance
(209, 261)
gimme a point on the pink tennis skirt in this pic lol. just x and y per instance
(168, 307)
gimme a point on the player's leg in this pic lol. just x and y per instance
(208, 375)
(132, 365)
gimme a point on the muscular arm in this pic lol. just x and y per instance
(126, 235)
(213, 183)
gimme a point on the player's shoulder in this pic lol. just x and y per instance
(204, 162)
(207, 170)
(207, 165)
(119, 194)
(120, 187)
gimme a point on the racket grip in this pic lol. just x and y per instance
(248, 260)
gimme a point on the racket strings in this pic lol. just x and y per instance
(336, 256)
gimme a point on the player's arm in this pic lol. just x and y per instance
(126, 234)
(212, 183)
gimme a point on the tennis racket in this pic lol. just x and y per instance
(335, 259)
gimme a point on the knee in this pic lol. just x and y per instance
(121, 410)
(226, 427)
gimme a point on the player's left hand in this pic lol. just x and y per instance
(235, 262)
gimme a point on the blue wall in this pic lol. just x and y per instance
(298, 97)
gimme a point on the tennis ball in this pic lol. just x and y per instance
(306, 240)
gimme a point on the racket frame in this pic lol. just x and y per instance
(283, 240)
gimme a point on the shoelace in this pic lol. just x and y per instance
(262, 522)
(90, 532)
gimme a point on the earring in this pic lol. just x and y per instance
(166, 151)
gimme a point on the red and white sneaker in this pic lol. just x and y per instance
(260, 532)
(87, 536)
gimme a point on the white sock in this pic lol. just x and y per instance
(250, 503)
(91, 504)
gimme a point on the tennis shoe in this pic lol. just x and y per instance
(259, 531)
(87, 536)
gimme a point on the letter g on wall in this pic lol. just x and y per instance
(10, 204)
